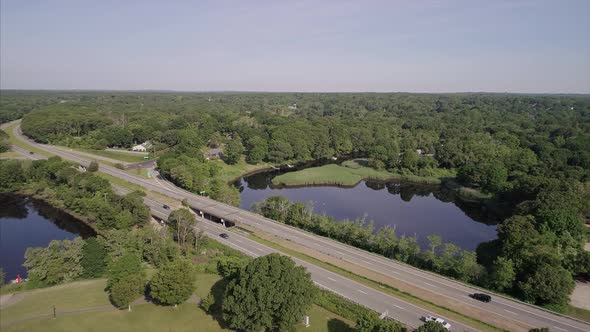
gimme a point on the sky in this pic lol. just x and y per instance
(317, 45)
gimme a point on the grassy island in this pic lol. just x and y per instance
(349, 173)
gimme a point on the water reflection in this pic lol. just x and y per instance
(27, 223)
(412, 208)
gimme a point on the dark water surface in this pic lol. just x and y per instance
(413, 209)
(26, 222)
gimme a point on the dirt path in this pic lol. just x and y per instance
(7, 300)
(581, 295)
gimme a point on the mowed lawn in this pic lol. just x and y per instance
(143, 317)
(331, 174)
(232, 172)
(122, 156)
(80, 294)
(150, 317)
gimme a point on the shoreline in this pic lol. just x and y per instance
(35, 196)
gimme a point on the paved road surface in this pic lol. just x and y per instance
(507, 309)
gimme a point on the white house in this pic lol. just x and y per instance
(139, 147)
(142, 147)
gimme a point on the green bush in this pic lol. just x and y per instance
(207, 302)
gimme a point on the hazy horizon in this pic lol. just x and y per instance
(540, 47)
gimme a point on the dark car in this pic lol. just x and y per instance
(166, 207)
(31, 152)
(224, 235)
(481, 297)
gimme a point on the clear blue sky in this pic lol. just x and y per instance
(316, 45)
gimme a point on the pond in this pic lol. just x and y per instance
(26, 222)
(412, 209)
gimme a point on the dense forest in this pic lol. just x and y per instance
(530, 152)
(82, 193)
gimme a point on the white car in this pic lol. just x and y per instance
(441, 321)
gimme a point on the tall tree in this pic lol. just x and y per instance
(502, 274)
(182, 222)
(93, 259)
(233, 151)
(58, 262)
(174, 283)
(270, 293)
(128, 265)
(93, 166)
(126, 290)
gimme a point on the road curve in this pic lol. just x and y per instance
(519, 313)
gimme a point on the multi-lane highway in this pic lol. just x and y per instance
(512, 314)
(367, 296)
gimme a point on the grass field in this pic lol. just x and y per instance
(71, 296)
(138, 171)
(349, 173)
(121, 156)
(144, 317)
(147, 317)
(579, 313)
(21, 144)
(10, 155)
(233, 172)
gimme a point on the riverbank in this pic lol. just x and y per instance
(57, 205)
(351, 172)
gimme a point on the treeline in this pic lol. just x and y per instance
(528, 151)
(447, 259)
(124, 257)
(4, 141)
(192, 172)
(522, 262)
(83, 193)
(498, 142)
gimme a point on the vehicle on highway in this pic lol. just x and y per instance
(441, 321)
(31, 152)
(166, 207)
(481, 297)
(224, 235)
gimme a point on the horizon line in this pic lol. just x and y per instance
(294, 92)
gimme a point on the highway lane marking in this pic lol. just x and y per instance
(331, 279)
(559, 328)
(394, 272)
(175, 192)
(546, 317)
(362, 291)
(259, 249)
(397, 306)
(511, 312)
(431, 285)
(359, 254)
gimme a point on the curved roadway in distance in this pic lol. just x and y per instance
(518, 313)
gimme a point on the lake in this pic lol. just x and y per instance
(412, 209)
(26, 222)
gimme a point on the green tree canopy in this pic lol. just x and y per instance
(233, 151)
(129, 264)
(126, 290)
(94, 258)
(60, 261)
(269, 293)
(174, 282)
(431, 326)
(93, 167)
